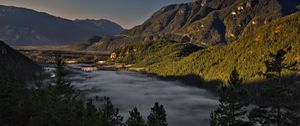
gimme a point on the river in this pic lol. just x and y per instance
(185, 105)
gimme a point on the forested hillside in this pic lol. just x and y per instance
(247, 54)
(204, 22)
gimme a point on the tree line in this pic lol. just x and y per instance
(58, 103)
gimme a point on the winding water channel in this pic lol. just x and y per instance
(185, 106)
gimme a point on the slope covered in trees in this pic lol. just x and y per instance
(277, 103)
(148, 53)
(246, 54)
(204, 22)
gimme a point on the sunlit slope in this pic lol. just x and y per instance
(204, 22)
(247, 54)
(149, 53)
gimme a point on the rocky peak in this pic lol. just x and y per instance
(207, 22)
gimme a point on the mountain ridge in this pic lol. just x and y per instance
(110, 26)
(247, 54)
(204, 22)
(42, 28)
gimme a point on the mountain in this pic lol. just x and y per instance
(85, 43)
(11, 61)
(21, 26)
(205, 22)
(108, 26)
(247, 54)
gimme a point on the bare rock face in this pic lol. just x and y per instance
(205, 22)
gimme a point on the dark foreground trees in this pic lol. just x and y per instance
(13, 100)
(135, 118)
(276, 105)
(57, 103)
(109, 115)
(280, 96)
(158, 116)
(232, 107)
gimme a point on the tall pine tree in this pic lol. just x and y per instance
(232, 107)
(135, 118)
(109, 115)
(56, 104)
(62, 86)
(157, 116)
(91, 114)
(280, 103)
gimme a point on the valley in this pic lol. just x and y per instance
(189, 63)
(71, 57)
(128, 89)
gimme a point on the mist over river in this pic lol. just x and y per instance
(185, 106)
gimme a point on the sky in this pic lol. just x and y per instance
(127, 13)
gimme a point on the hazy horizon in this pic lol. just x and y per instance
(127, 13)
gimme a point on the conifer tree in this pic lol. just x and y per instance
(281, 100)
(91, 114)
(56, 104)
(135, 118)
(232, 105)
(62, 86)
(157, 116)
(109, 115)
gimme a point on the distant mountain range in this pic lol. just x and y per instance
(203, 22)
(107, 26)
(13, 62)
(21, 26)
